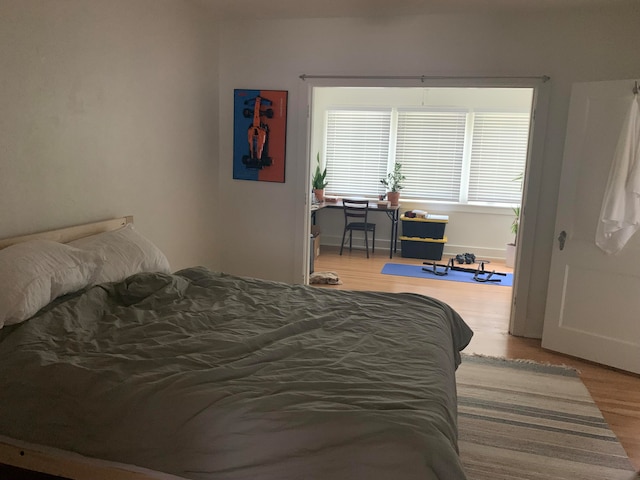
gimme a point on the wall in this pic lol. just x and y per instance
(109, 109)
(263, 234)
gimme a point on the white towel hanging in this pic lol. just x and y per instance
(620, 213)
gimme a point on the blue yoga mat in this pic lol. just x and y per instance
(416, 271)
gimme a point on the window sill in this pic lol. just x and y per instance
(451, 207)
(444, 207)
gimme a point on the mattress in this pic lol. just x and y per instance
(206, 375)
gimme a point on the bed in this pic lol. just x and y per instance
(199, 374)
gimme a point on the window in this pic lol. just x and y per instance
(357, 150)
(498, 156)
(430, 147)
(455, 154)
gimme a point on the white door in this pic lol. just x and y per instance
(593, 301)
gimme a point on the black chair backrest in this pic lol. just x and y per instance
(355, 209)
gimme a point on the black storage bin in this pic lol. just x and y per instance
(431, 227)
(424, 248)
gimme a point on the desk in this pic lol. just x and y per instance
(391, 211)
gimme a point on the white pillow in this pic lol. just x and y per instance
(124, 252)
(34, 273)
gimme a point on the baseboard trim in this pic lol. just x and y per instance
(449, 249)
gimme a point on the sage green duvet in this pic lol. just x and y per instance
(210, 376)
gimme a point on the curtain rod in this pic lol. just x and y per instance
(422, 78)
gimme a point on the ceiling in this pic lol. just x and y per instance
(246, 9)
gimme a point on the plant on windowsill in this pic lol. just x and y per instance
(516, 223)
(319, 182)
(510, 254)
(393, 182)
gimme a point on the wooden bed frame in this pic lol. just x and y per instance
(37, 460)
(51, 461)
(68, 234)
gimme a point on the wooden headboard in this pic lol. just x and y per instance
(68, 234)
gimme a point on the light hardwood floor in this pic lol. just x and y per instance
(486, 309)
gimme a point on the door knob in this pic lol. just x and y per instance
(561, 239)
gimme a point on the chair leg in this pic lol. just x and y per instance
(344, 233)
(373, 246)
(366, 242)
(350, 239)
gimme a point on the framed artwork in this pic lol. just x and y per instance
(259, 134)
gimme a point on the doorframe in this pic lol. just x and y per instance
(519, 320)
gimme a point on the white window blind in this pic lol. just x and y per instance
(357, 151)
(498, 157)
(430, 147)
(446, 155)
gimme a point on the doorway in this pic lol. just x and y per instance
(358, 92)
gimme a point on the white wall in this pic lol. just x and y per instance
(109, 108)
(262, 232)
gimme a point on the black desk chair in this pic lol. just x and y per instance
(355, 218)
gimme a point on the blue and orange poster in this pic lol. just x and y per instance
(259, 134)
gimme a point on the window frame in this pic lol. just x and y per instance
(383, 163)
(463, 188)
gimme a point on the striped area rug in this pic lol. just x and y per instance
(525, 421)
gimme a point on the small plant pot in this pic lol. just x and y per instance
(510, 255)
(394, 198)
(319, 194)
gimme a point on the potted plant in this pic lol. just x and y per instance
(510, 255)
(319, 182)
(393, 182)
